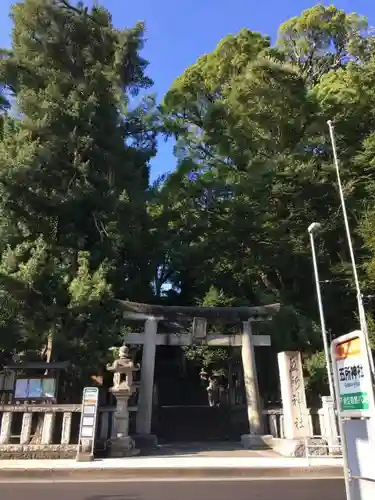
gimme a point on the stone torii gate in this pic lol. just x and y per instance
(152, 314)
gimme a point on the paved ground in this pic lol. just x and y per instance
(211, 449)
(326, 489)
(173, 463)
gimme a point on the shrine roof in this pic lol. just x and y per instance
(136, 310)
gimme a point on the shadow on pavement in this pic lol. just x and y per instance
(120, 496)
(217, 449)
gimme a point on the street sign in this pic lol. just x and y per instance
(356, 413)
(87, 428)
(352, 369)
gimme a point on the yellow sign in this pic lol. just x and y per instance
(348, 349)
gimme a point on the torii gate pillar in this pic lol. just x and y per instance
(254, 410)
(144, 412)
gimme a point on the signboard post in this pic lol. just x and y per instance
(87, 428)
(356, 413)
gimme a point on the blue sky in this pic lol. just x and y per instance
(179, 32)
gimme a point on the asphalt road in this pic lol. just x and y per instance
(310, 489)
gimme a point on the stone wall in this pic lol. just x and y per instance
(58, 431)
(48, 431)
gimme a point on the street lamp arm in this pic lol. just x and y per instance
(314, 227)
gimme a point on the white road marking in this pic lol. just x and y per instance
(167, 480)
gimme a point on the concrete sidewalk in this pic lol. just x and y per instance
(172, 466)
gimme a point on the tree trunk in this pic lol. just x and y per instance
(46, 356)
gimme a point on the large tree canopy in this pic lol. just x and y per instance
(255, 168)
(324, 39)
(74, 175)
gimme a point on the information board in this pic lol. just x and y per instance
(87, 430)
(356, 413)
(35, 388)
(352, 369)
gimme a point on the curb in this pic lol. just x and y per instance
(313, 472)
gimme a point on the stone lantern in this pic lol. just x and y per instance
(122, 445)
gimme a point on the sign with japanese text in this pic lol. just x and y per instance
(299, 407)
(353, 375)
(87, 431)
(296, 420)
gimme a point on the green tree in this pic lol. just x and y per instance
(74, 176)
(255, 169)
(324, 39)
(317, 377)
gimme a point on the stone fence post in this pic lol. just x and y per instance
(329, 424)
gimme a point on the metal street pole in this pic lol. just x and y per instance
(313, 228)
(361, 309)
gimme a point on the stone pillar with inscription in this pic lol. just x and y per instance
(298, 435)
(296, 418)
